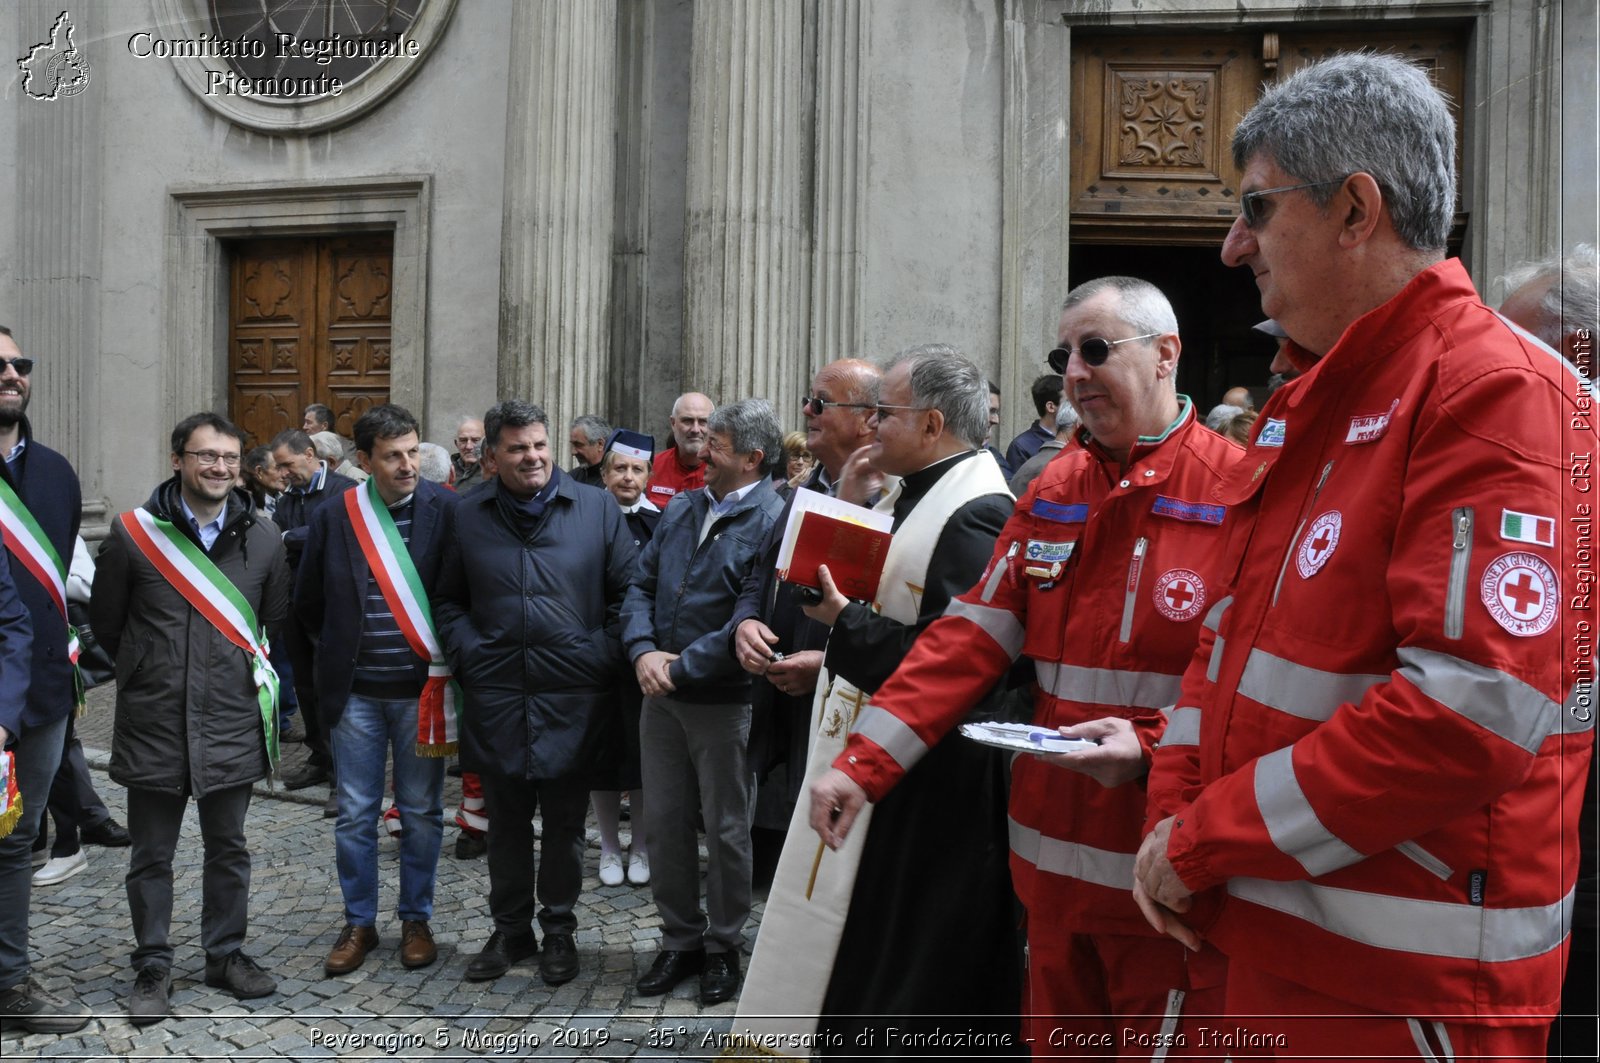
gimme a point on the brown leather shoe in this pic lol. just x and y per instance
(416, 944)
(350, 951)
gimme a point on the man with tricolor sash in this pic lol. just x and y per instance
(39, 511)
(185, 588)
(363, 594)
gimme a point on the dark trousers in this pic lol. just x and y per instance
(74, 804)
(301, 660)
(36, 754)
(517, 891)
(154, 820)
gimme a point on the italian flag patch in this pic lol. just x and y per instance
(1527, 528)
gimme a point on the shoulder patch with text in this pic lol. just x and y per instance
(1178, 509)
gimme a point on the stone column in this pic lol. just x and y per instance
(841, 138)
(57, 257)
(555, 245)
(746, 248)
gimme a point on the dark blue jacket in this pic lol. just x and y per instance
(685, 593)
(530, 625)
(331, 587)
(296, 508)
(45, 482)
(16, 645)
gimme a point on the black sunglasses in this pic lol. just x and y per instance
(1094, 352)
(1250, 208)
(23, 366)
(814, 406)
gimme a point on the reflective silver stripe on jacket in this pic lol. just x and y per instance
(1298, 689)
(1072, 859)
(1213, 618)
(999, 624)
(1499, 703)
(1108, 686)
(892, 733)
(1426, 928)
(1292, 822)
(1213, 621)
(1183, 728)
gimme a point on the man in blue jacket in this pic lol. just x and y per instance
(695, 723)
(367, 610)
(42, 503)
(530, 591)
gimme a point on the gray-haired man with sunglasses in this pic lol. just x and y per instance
(1368, 793)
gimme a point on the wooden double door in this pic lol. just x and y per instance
(309, 321)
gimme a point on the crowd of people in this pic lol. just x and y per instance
(1329, 664)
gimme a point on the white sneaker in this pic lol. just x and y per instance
(610, 869)
(639, 868)
(61, 868)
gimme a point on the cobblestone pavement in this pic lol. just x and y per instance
(81, 941)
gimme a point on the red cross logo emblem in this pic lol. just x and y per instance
(1522, 593)
(1180, 594)
(1321, 539)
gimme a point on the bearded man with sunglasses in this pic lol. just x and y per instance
(1103, 576)
(1368, 793)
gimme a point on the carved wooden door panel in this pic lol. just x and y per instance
(309, 321)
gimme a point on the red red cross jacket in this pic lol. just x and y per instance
(1393, 714)
(1103, 579)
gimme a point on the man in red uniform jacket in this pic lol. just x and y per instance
(1103, 576)
(1367, 795)
(681, 467)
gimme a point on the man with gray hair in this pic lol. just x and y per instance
(587, 436)
(695, 723)
(1378, 752)
(853, 943)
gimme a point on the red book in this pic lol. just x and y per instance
(853, 552)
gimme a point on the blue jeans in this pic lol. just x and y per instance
(361, 741)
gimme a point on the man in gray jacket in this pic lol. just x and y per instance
(184, 589)
(695, 723)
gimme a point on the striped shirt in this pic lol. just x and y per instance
(385, 662)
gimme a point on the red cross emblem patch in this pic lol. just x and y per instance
(1318, 545)
(1180, 594)
(1522, 593)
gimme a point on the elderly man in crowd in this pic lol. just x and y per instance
(467, 460)
(681, 467)
(1376, 760)
(530, 593)
(587, 437)
(852, 943)
(695, 723)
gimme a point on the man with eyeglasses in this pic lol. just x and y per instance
(467, 461)
(185, 590)
(847, 936)
(39, 510)
(681, 467)
(1368, 792)
(1102, 576)
(773, 639)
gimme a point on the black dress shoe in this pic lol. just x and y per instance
(720, 980)
(558, 963)
(470, 848)
(110, 834)
(671, 967)
(500, 953)
(308, 774)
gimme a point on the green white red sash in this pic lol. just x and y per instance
(439, 705)
(31, 547)
(213, 595)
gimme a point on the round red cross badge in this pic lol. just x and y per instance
(1318, 545)
(1521, 592)
(1180, 594)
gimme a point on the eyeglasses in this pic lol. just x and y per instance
(1094, 351)
(1251, 213)
(814, 405)
(23, 366)
(208, 458)
(877, 411)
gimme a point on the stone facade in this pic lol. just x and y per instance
(598, 205)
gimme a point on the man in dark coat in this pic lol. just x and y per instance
(530, 590)
(695, 724)
(190, 720)
(34, 726)
(310, 484)
(369, 676)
